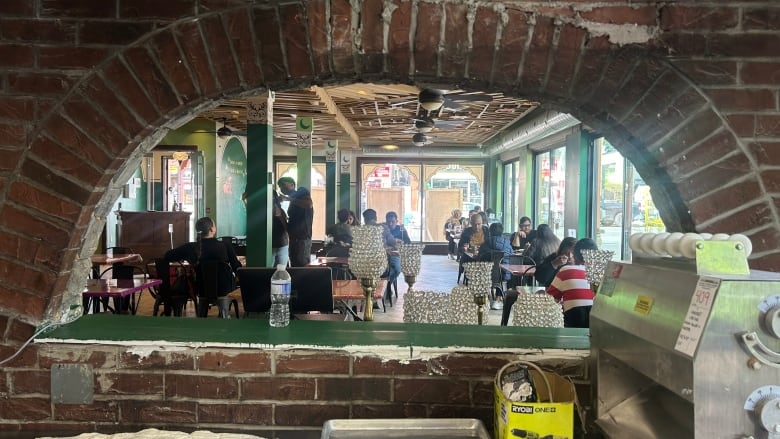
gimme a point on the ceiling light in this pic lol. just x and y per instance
(389, 147)
(431, 99)
(419, 139)
(424, 125)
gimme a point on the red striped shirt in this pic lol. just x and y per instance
(571, 284)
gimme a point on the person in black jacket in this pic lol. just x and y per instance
(206, 248)
(300, 215)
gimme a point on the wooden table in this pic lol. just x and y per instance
(327, 261)
(519, 271)
(118, 288)
(349, 293)
(105, 259)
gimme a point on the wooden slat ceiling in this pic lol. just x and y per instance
(359, 115)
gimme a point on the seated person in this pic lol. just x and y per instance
(571, 288)
(524, 234)
(472, 236)
(453, 227)
(496, 242)
(340, 234)
(543, 244)
(207, 248)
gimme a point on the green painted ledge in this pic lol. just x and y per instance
(112, 329)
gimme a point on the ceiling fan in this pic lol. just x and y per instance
(434, 100)
(224, 131)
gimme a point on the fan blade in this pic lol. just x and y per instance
(471, 97)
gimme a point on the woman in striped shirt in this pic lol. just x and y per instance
(572, 289)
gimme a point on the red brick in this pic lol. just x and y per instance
(766, 152)
(709, 72)
(25, 409)
(725, 199)
(467, 365)
(768, 239)
(621, 15)
(157, 412)
(42, 174)
(41, 31)
(692, 132)
(538, 56)
(760, 18)
(237, 362)
(56, 157)
(767, 262)
(567, 54)
(157, 359)
(98, 93)
(597, 53)
(750, 217)
(154, 9)
(514, 36)
(371, 35)
(147, 384)
(238, 28)
(377, 366)
(621, 63)
(221, 57)
(452, 391)
(115, 33)
(389, 411)
(687, 18)
(353, 389)
(78, 9)
(96, 411)
(760, 73)
(163, 46)
(18, 8)
(316, 415)
(767, 125)
(201, 386)
(318, 36)
(456, 49)
(294, 40)
(743, 45)
(16, 55)
(37, 84)
(649, 119)
(18, 331)
(484, 43)
(641, 79)
(160, 91)
(426, 39)
(78, 143)
(28, 357)
(742, 100)
(30, 381)
(18, 108)
(272, 61)
(25, 276)
(28, 224)
(12, 134)
(3, 383)
(43, 200)
(398, 44)
(335, 363)
(715, 176)
(485, 414)
(122, 79)
(341, 32)
(685, 44)
(744, 125)
(243, 413)
(482, 392)
(193, 49)
(283, 389)
(710, 150)
(114, 146)
(96, 356)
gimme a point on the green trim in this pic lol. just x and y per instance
(585, 186)
(256, 332)
(330, 193)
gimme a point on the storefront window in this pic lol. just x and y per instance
(550, 170)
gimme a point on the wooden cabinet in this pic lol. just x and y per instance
(147, 232)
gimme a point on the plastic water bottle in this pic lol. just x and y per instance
(280, 297)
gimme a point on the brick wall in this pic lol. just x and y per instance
(245, 389)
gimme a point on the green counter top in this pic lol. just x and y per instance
(121, 329)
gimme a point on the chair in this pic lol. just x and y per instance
(214, 281)
(339, 271)
(496, 274)
(172, 299)
(523, 279)
(311, 289)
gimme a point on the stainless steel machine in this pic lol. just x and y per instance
(687, 348)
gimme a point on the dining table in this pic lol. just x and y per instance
(119, 288)
(349, 293)
(519, 271)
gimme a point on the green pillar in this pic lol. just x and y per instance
(259, 181)
(304, 126)
(345, 183)
(331, 152)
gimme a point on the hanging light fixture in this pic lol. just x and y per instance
(431, 99)
(424, 125)
(419, 139)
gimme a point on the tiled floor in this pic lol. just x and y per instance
(437, 273)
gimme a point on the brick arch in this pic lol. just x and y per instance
(646, 105)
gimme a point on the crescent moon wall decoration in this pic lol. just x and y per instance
(331, 148)
(304, 124)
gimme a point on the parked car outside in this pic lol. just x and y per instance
(612, 212)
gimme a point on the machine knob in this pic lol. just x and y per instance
(772, 321)
(768, 414)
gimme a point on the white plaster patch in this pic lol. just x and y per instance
(621, 34)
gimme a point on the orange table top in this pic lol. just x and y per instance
(351, 290)
(104, 259)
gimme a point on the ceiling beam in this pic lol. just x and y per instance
(333, 109)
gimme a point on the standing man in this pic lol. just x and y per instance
(300, 215)
(398, 236)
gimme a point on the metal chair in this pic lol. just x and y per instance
(173, 298)
(215, 280)
(121, 271)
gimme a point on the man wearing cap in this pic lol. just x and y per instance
(300, 215)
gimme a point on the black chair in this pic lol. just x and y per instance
(311, 289)
(173, 298)
(121, 271)
(214, 281)
(496, 274)
(339, 271)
